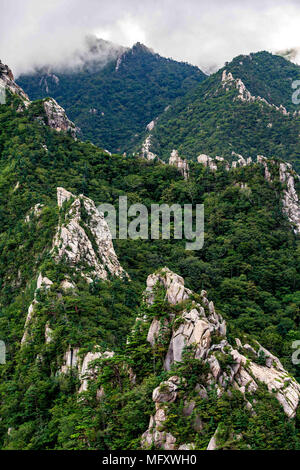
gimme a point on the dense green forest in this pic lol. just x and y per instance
(249, 265)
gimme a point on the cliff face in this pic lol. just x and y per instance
(8, 82)
(181, 164)
(83, 239)
(83, 242)
(202, 369)
(56, 117)
(225, 366)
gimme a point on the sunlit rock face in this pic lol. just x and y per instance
(146, 149)
(182, 165)
(7, 82)
(83, 241)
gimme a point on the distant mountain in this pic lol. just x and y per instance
(292, 54)
(113, 93)
(245, 108)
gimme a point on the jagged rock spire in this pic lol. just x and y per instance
(73, 243)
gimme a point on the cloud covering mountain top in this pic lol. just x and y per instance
(200, 32)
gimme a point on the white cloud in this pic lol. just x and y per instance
(36, 32)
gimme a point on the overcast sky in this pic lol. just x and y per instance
(204, 33)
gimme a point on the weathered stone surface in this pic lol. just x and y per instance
(288, 390)
(189, 408)
(81, 244)
(86, 371)
(201, 391)
(85, 243)
(57, 118)
(151, 126)
(291, 205)
(42, 282)
(155, 434)
(70, 360)
(157, 330)
(62, 196)
(146, 152)
(229, 82)
(213, 442)
(66, 285)
(195, 330)
(83, 366)
(190, 446)
(243, 370)
(207, 161)
(166, 391)
(48, 333)
(182, 165)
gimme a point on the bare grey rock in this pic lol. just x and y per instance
(66, 285)
(174, 285)
(207, 161)
(57, 118)
(166, 392)
(7, 82)
(182, 165)
(155, 434)
(146, 149)
(48, 333)
(229, 82)
(291, 205)
(190, 446)
(212, 445)
(87, 372)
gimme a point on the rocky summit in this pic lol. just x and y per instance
(110, 342)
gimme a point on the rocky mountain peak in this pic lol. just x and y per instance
(139, 47)
(7, 81)
(57, 118)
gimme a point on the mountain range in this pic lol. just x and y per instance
(141, 344)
